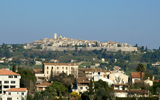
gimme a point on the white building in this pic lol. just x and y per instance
(15, 94)
(9, 84)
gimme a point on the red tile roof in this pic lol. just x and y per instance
(7, 72)
(90, 69)
(69, 64)
(136, 74)
(44, 84)
(17, 89)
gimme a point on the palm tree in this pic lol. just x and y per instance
(140, 68)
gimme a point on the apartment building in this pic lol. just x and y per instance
(9, 84)
(57, 68)
(15, 94)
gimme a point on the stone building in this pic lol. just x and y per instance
(57, 68)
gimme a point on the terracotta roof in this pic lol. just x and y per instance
(7, 72)
(136, 74)
(38, 70)
(83, 80)
(156, 80)
(44, 84)
(72, 64)
(120, 90)
(91, 69)
(17, 89)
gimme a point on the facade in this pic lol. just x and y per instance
(8, 79)
(10, 86)
(57, 68)
(15, 94)
(118, 77)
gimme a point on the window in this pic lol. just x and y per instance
(47, 72)
(12, 86)
(10, 76)
(22, 93)
(99, 73)
(81, 87)
(47, 67)
(86, 88)
(6, 86)
(9, 93)
(63, 68)
(13, 82)
(17, 93)
(15, 76)
(66, 72)
(66, 68)
(57, 67)
(6, 81)
(9, 98)
(57, 72)
(52, 67)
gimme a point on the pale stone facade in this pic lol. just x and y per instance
(57, 68)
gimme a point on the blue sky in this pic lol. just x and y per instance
(125, 21)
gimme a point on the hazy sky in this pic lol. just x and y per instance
(125, 21)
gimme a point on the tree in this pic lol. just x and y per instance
(75, 95)
(27, 78)
(136, 45)
(14, 67)
(37, 96)
(146, 48)
(140, 68)
(59, 87)
(91, 92)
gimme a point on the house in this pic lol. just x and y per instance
(138, 93)
(42, 86)
(81, 85)
(10, 85)
(57, 68)
(120, 93)
(15, 94)
(1, 61)
(135, 76)
(103, 60)
(38, 62)
(118, 77)
(148, 82)
(92, 72)
(40, 77)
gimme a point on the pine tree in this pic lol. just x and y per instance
(14, 67)
(51, 77)
(91, 90)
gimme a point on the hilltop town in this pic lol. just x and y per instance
(63, 43)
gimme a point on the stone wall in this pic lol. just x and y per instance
(113, 49)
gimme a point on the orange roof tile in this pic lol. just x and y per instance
(44, 84)
(7, 72)
(136, 74)
(72, 64)
(17, 89)
(91, 69)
